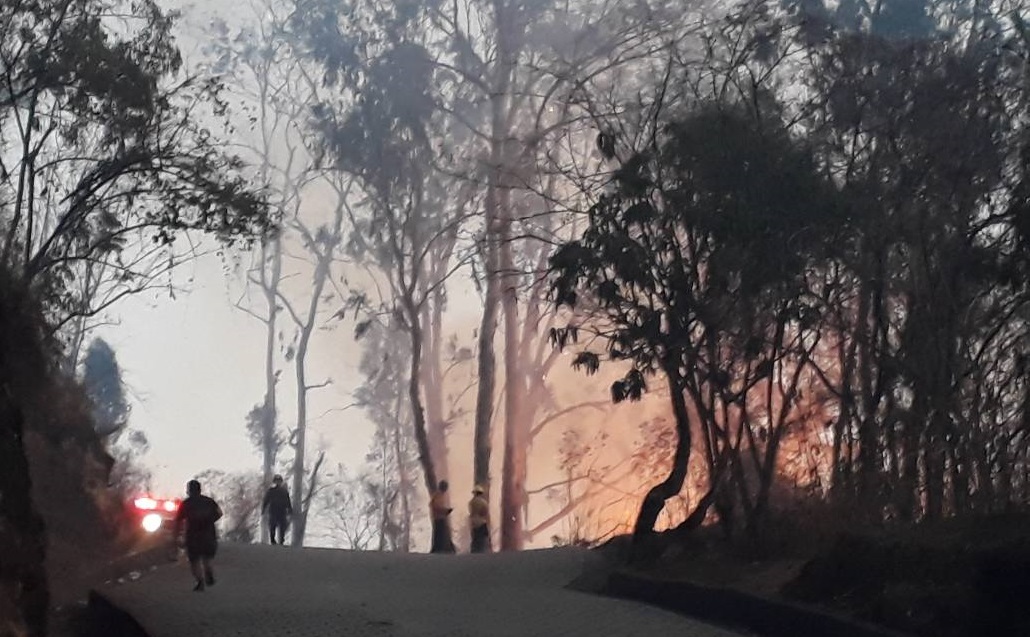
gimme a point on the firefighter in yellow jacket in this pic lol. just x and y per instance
(479, 520)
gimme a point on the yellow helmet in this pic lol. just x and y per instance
(478, 489)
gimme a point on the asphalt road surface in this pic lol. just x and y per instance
(272, 591)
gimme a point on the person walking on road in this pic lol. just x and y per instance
(277, 504)
(439, 509)
(479, 520)
(199, 514)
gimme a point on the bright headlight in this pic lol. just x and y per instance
(151, 522)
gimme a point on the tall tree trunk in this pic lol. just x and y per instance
(513, 487)
(1003, 491)
(493, 220)
(655, 499)
(433, 383)
(418, 414)
(385, 522)
(841, 489)
(271, 257)
(935, 468)
(513, 474)
(958, 467)
(984, 495)
(402, 490)
(908, 499)
(870, 311)
(486, 360)
(300, 514)
(299, 446)
(513, 479)
(304, 504)
(766, 477)
(270, 287)
(498, 226)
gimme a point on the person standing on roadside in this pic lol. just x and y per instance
(439, 509)
(199, 513)
(479, 520)
(280, 509)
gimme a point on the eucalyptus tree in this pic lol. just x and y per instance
(254, 60)
(275, 88)
(379, 129)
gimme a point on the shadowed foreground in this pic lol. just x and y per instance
(314, 592)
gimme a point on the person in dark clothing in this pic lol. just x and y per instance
(199, 514)
(440, 509)
(277, 504)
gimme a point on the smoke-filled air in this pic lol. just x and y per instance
(699, 285)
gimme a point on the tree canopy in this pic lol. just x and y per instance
(110, 151)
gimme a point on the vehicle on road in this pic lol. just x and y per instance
(155, 517)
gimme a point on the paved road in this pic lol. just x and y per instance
(265, 591)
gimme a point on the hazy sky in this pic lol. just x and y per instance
(195, 367)
(195, 364)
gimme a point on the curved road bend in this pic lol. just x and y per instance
(269, 591)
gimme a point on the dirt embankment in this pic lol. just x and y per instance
(956, 578)
(89, 538)
(959, 578)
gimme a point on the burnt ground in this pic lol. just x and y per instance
(956, 578)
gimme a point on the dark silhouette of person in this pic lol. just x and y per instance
(199, 514)
(277, 503)
(439, 509)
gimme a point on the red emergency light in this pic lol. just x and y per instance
(155, 511)
(147, 503)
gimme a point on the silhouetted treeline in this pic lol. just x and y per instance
(821, 245)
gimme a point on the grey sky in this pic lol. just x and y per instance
(195, 366)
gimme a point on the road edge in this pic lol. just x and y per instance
(107, 616)
(735, 609)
